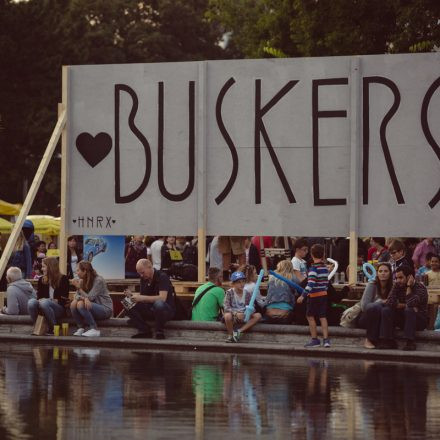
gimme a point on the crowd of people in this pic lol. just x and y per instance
(396, 297)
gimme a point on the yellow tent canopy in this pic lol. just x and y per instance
(45, 224)
(5, 226)
(9, 208)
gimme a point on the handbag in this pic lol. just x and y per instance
(349, 316)
(41, 326)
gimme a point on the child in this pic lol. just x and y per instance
(236, 300)
(433, 276)
(299, 264)
(316, 293)
(427, 267)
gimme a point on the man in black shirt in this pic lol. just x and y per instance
(154, 302)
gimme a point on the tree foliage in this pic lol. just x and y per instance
(328, 27)
(39, 36)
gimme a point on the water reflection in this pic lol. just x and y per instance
(63, 393)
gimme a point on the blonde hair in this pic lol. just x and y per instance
(249, 271)
(90, 275)
(19, 244)
(285, 269)
(53, 275)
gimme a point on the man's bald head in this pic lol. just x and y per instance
(144, 268)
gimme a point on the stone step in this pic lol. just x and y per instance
(204, 335)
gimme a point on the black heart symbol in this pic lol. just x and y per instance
(94, 149)
(74, 220)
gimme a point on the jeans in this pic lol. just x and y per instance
(370, 320)
(385, 319)
(51, 310)
(84, 317)
(159, 311)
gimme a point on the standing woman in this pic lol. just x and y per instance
(21, 256)
(73, 256)
(166, 260)
(92, 300)
(52, 294)
(372, 302)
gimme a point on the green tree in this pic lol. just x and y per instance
(39, 36)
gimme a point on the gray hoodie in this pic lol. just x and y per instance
(18, 294)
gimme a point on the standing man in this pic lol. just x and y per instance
(156, 255)
(154, 302)
(208, 306)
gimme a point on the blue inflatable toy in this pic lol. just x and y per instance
(369, 271)
(298, 288)
(250, 308)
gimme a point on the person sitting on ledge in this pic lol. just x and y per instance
(92, 300)
(52, 294)
(208, 306)
(407, 305)
(280, 299)
(154, 302)
(236, 300)
(373, 301)
(18, 293)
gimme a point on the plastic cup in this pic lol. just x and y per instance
(56, 330)
(65, 327)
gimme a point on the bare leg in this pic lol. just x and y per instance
(312, 326)
(252, 321)
(229, 323)
(324, 327)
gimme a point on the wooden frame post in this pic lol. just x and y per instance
(201, 175)
(62, 242)
(33, 190)
(355, 133)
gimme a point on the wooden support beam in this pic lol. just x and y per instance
(64, 230)
(32, 191)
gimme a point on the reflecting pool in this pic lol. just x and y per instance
(79, 393)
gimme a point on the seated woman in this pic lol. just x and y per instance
(251, 275)
(169, 254)
(52, 294)
(280, 298)
(92, 300)
(373, 299)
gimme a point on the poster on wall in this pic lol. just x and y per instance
(106, 253)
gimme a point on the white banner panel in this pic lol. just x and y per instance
(277, 137)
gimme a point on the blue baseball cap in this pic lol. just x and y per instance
(237, 276)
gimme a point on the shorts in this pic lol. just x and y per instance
(227, 243)
(237, 318)
(317, 307)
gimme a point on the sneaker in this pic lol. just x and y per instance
(92, 333)
(409, 346)
(236, 335)
(79, 332)
(327, 343)
(314, 342)
(230, 339)
(146, 335)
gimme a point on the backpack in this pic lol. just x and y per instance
(189, 254)
(183, 271)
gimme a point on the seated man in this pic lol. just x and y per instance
(207, 307)
(406, 306)
(154, 302)
(18, 293)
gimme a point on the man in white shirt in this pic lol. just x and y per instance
(301, 248)
(156, 247)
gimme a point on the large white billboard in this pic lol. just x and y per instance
(311, 146)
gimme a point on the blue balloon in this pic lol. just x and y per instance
(370, 275)
(298, 288)
(250, 308)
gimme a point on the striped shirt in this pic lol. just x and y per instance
(317, 280)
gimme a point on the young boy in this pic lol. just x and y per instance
(433, 276)
(299, 264)
(427, 267)
(236, 300)
(316, 293)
